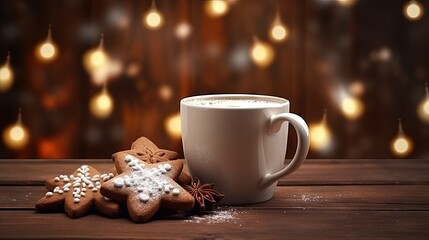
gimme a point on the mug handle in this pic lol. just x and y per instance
(301, 128)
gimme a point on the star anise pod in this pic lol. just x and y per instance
(204, 194)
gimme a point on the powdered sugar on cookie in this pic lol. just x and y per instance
(148, 182)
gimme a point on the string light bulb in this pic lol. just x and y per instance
(401, 145)
(346, 3)
(413, 10)
(47, 51)
(261, 53)
(216, 8)
(153, 19)
(98, 63)
(6, 75)
(96, 58)
(320, 135)
(101, 105)
(278, 31)
(172, 126)
(16, 136)
(423, 107)
(352, 107)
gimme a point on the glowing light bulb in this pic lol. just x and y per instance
(6, 75)
(401, 145)
(153, 18)
(101, 105)
(261, 53)
(423, 107)
(172, 126)
(95, 59)
(47, 51)
(320, 135)
(346, 3)
(216, 8)
(278, 31)
(351, 107)
(413, 10)
(98, 63)
(16, 136)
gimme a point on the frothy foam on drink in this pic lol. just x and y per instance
(233, 103)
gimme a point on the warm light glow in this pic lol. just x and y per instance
(16, 136)
(96, 58)
(262, 54)
(216, 8)
(99, 64)
(278, 31)
(183, 30)
(413, 10)
(165, 92)
(153, 18)
(172, 126)
(320, 136)
(401, 145)
(6, 75)
(346, 3)
(101, 105)
(351, 107)
(423, 108)
(47, 50)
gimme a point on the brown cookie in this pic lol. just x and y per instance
(147, 187)
(145, 150)
(78, 194)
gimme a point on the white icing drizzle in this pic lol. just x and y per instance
(147, 182)
(78, 184)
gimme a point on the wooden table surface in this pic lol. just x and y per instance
(343, 199)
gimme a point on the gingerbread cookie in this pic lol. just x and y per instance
(147, 187)
(78, 194)
(145, 150)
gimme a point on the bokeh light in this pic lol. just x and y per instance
(47, 51)
(352, 107)
(423, 107)
(216, 8)
(101, 105)
(16, 136)
(401, 145)
(413, 10)
(6, 75)
(320, 135)
(261, 53)
(172, 126)
(183, 30)
(153, 19)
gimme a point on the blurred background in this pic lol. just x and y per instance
(85, 78)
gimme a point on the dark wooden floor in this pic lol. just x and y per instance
(324, 199)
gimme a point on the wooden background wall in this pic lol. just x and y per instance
(329, 47)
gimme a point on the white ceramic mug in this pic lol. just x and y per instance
(238, 142)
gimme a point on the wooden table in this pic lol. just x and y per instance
(328, 199)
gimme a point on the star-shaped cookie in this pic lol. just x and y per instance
(78, 194)
(146, 151)
(147, 187)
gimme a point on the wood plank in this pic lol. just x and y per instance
(236, 224)
(313, 172)
(361, 171)
(36, 171)
(342, 197)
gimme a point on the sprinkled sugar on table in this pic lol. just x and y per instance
(380, 198)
